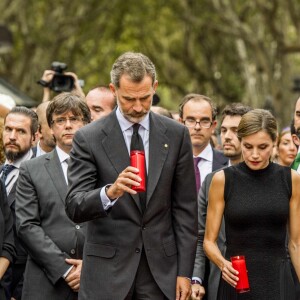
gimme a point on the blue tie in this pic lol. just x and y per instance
(5, 171)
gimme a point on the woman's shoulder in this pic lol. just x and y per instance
(218, 176)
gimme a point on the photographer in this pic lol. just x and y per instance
(48, 76)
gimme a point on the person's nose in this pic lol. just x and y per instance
(292, 146)
(68, 123)
(13, 135)
(228, 135)
(137, 106)
(255, 153)
(197, 126)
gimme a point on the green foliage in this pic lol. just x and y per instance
(230, 50)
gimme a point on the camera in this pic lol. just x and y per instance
(61, 82)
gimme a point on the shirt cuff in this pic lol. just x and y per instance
(197, 279)
(106, 202)
(67, 273)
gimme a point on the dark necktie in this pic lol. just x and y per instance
(67, 161)
(197, 173)
(136, 140)
(137, 144)
(5, 171)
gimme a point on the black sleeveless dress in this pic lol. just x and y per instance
(256, 215)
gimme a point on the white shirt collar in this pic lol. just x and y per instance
(207, 153)
(125, 124)
(18, 162)
(39, 150)
(62, 155)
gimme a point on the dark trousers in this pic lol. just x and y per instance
(2, 293)
(12, 281)
(144, 286)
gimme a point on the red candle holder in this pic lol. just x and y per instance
(239, 264)
(137, 160)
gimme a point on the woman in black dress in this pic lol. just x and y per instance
(7, 247)
(258, 199)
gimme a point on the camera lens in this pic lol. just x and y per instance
(62, 83)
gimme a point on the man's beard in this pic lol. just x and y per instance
(133, 118)
(232, 154)
(15, 155)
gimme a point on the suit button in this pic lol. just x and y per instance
(143, 227)
(72, 251)
(77, 226)
(137, 250)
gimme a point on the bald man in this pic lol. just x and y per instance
(100, 101)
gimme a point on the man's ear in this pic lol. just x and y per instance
(35, 137)
(155, 85)
(214, 124)
(113, 89)
(296, 140)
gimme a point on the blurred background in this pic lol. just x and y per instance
(232, 51)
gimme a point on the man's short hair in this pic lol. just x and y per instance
(197, 98)
(235, 109)
(135, 65)
(65, 102)
(29, 113)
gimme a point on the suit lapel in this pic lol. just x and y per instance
(115, 148)
(114, 144)
(12, 194)
(53, 166)
(219, 160)
(158, 151)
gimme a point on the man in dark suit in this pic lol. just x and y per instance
(20, 126)
(138, 246)
(7, 245)
(198, 114)
(54, 243)
(231, 116)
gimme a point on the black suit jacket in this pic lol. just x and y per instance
(168, 229)
(219, 160)
(21, 253)
(7, 246)
(203, 269)
(43, 226)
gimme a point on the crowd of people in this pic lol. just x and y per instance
(73, 225)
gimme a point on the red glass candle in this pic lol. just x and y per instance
(137, 160)
(239, 264)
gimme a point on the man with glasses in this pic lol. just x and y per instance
(54, 243)
(198, 114)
